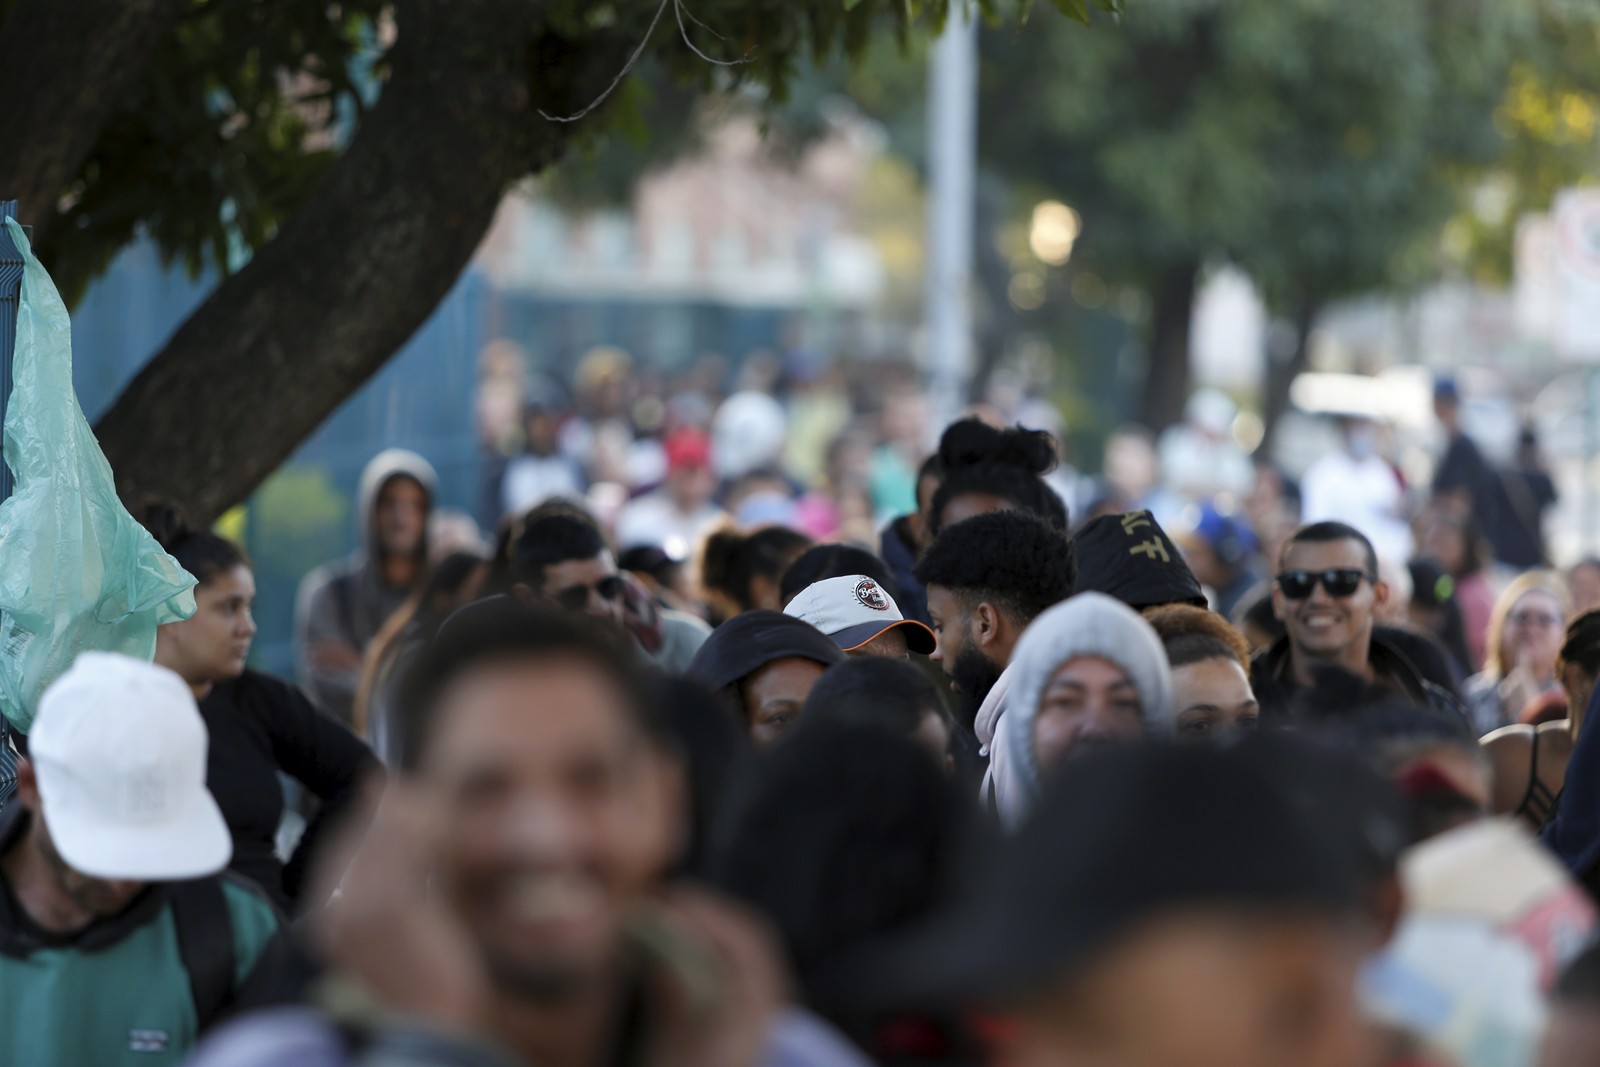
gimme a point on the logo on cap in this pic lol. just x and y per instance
(868, 593)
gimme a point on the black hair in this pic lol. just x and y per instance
(198, 551)
(651, 561)
(551, 539)
(977, 458)
(710, 736)
(1579, 983)
(1322, 533)
(1010, 558)
(731, 561)
(1256, 610)
(1582, 646)
(874, 691)
(821, 562)
(845, 837)
(502, 629)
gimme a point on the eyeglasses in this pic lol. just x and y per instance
(1534, 618)
(576, 597)
(1339, 582)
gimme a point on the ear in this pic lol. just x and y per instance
(1380, 594)
(524, 592)
(27, 786)
(985, 625)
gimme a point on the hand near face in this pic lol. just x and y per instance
(717, 1012)
(386, 932)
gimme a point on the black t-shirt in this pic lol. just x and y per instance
(259, 726)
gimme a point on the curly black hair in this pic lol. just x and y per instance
(1010, 558)
(977, 458)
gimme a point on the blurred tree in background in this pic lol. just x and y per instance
(339, 161)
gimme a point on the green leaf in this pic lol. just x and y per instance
(1077, 10)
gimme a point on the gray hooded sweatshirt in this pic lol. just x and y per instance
(1089, 624)
(346, 601)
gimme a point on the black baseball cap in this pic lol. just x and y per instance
(1130, 557)
(1137, 832)
(751, 640)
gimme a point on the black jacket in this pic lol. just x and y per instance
(1276, 689)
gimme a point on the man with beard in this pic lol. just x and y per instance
(988, 578)
(511, 902)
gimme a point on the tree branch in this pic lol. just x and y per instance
(64, 70)
(320, 308)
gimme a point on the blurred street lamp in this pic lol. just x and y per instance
(1053, 232)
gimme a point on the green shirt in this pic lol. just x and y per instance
(116, 993)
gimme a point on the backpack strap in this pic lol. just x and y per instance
(205, 944)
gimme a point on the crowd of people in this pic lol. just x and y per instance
(764, 734)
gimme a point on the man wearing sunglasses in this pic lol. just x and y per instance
(561, 558)
(1326, 593)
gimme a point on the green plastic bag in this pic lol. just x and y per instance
(76, 571)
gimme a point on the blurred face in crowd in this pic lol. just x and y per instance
(691, 486)
(591, 586)
(1204, 562)
(1584, 582)
(775, 695)
(1324, 627)
(964, 639)
(1533, 633)
(74, 900)
(891, 644)
(540, 427)
(1203, 990)
(401, 516)
(563, 816)
(969, 505)
(933, 734)
(1088, 702)
(1445, 542)
(213, 643)
(1213, 700)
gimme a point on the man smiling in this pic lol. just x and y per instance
(1326, 592)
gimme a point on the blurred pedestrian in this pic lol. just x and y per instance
(1458, 546)
(1222, 551)
(260, 727)
(1089, 672)
(743, 571)
(766, 663)
(887, 694)
(541, 471)
(988, 578)
(1208, 923)
(986, 470)
(1524, 642)
(512, 902)
(1210, 664)
(1357, 485)
(1530, 760)
(1325, 593)
(561, 557)
(906, 537)
(861, 618)
(1527, 493)
(120, 939)
(677, 515)
(1583, 583)
(342, 605)
(1464, 483)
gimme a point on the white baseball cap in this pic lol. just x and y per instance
(119, 749)
(855, 609)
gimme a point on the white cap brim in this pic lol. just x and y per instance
(192, 844)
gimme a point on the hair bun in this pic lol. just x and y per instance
(972, 442)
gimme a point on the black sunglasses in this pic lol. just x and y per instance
(1339, 582)
(576, 598)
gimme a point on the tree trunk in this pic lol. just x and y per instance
(65, 67)
(1166, 383)
(320, 308)
(1281, 373)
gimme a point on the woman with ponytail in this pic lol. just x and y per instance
(259, 726)
(742, 571)
(988, 469)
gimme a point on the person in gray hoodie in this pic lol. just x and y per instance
(1087, 672)
(343, 604)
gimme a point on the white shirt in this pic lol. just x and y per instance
(1365, 493)
(654, 519)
